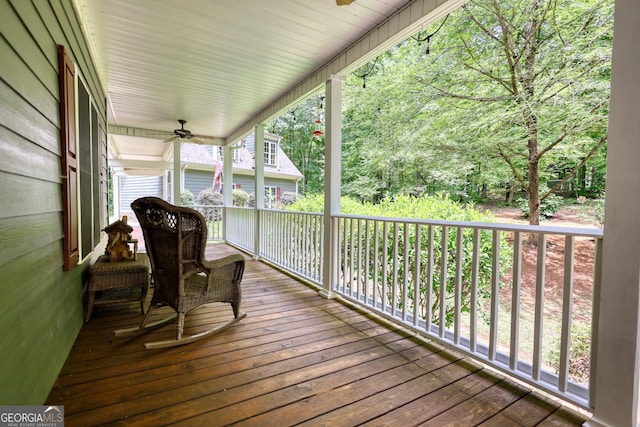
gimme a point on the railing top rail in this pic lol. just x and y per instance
(547, 229)
(291, 212)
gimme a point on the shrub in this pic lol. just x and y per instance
(579, 353)
(210, 198)
(315, 203)
(288, 198)
(439, 207)
(548, 207)
(240, 197)
(252, 200)
(598, 206)
(186, 198)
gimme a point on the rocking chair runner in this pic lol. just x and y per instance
(175, 239)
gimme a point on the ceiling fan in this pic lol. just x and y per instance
(183, 134)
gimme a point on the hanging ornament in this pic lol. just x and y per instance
(318, 132)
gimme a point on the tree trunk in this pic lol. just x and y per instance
(534, 196)
(510, 193)
(530, 30)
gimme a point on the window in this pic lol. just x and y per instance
(271, 196)
(234, 152)
(270, 153)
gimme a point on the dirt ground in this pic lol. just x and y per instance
(584, 251)
(582, 295)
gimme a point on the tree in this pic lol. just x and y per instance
(530, 80)
(306, 151)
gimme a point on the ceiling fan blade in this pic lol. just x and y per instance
(171, 139)
(196, 140)
(344, 2)
(212, 138)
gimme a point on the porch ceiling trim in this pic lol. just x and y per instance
(139, 164)
(155, 134)
(392, 31)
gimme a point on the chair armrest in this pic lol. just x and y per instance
(221, 262)
(224, 277)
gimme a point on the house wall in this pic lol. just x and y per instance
(42, 305)
(134, 186)
(248, 184)
(198, 180)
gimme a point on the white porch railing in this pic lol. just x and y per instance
(420, 272)
(502, 305)
(240, 225)
(293, 241)
(214, 217)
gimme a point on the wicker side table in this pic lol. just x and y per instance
(117, 282)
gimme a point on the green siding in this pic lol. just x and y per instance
(42, 305)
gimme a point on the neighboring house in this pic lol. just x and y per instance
(199, 164)
(130, 187)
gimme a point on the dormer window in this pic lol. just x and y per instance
(234, 154)
(270, 153)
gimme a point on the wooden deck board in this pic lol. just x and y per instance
(297, 359)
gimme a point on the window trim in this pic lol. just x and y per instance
(270, 153)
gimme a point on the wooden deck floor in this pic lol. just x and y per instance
(297, 359)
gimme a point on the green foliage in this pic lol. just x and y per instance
(482, 110)
(306, 152)
(485, 108)
(315, 203)
(548, 206)
(579, 353)
(598, 206)
(240, 197)
(186, 198)
(440, 207)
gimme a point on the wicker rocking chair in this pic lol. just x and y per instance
(175, 239)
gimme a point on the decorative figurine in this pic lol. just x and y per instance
(118, 248)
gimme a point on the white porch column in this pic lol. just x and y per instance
(227, 175)
(259, 184)
(615, 389)
(176, 172)
(332, 177)
(165, 184)
(227, 185)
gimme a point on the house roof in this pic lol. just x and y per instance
(199, 156)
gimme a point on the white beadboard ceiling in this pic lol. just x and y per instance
(215, 63)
